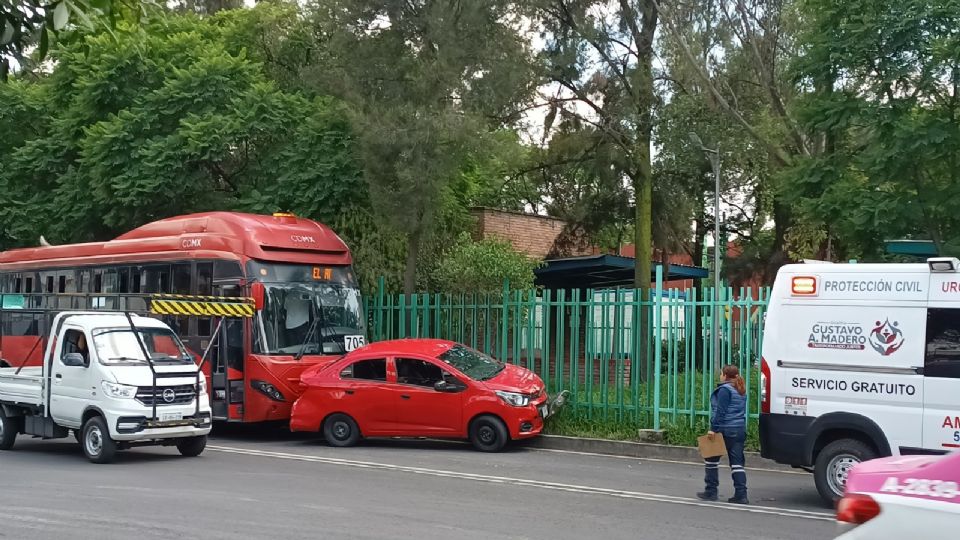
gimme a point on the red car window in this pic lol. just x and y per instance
(368, 370)
(418, 372)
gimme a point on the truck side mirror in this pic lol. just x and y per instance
(73, 360)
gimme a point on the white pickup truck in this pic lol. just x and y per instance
(113, 387)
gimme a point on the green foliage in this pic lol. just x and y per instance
(482, 267)
(882, 79)
(164, 119)
(422, 79)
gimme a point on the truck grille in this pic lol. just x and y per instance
(183, 393)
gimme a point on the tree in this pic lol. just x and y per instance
(600, 54)
(427, 82)
(734, 56)
(883, 89)
(484, 266)
(165, 119)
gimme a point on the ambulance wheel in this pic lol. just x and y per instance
(192, 446)
(96, 442)
(834, 464)
(340, 430)
(9, 428)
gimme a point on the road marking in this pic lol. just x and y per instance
(657, 460)
(572, 488)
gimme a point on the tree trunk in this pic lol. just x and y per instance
(413, 256)
(643, 178)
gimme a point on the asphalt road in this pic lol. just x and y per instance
(257, 486)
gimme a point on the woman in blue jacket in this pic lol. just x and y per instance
(728, 418)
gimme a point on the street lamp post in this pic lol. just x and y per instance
(713, 154)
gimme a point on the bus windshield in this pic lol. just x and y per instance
(307, 315)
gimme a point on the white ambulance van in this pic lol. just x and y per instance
(860, 361)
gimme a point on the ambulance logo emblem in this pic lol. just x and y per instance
(886, 338)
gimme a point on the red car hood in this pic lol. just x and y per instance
(516, 379)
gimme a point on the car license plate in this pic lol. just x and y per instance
(544, 411)
(170, 416)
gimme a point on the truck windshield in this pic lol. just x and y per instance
(118, 346)
(312, 313)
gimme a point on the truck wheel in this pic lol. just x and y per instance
(833, 465)
(9, 428)
(192, 446)
(488, 434)
(341, 430)
(97, 444)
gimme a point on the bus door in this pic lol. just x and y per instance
(226, 369)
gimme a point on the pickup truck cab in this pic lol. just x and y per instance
(114, 387)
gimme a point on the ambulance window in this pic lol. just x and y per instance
(943, 343)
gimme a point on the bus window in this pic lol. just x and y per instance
(110, 281)
(83, 280)
(226, 270)
(123, 280)
(156, 279)
(97, 280)
(62, 285)
(205, 279)
(49, 284)
(137, 279)
(181, 278)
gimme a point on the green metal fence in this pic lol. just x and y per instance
(621, 357)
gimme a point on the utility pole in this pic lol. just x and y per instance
(713, 154)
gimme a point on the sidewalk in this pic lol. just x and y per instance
(637, 450)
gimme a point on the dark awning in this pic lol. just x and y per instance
(603, 271)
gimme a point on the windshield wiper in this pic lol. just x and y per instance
(126, 359)
(306, 339)
(343, 348)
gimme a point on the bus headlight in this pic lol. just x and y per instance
(267, 389)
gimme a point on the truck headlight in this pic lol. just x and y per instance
(513, 398)
(203, 385)
(119, 391)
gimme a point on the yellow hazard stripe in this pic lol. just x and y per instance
(160, 306)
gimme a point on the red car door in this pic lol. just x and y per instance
(420, 409)
(362, 392)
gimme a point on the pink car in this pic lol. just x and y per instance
(901, 497)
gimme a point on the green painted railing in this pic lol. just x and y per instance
(601, 345)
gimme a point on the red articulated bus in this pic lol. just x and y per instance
(298, 272)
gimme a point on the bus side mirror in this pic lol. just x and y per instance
(258, 292)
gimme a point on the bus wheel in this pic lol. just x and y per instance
(834, 464)
(9, 428)
(341, 430)
(97, 444)
(192, 446)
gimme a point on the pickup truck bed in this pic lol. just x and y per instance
(25, 388)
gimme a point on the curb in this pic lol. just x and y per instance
(639, 450)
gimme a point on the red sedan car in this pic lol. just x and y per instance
(422, 388)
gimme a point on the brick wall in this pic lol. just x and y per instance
(528, 233)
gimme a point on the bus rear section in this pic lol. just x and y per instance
(299, 273)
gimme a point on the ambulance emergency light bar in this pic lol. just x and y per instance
(943, 264)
